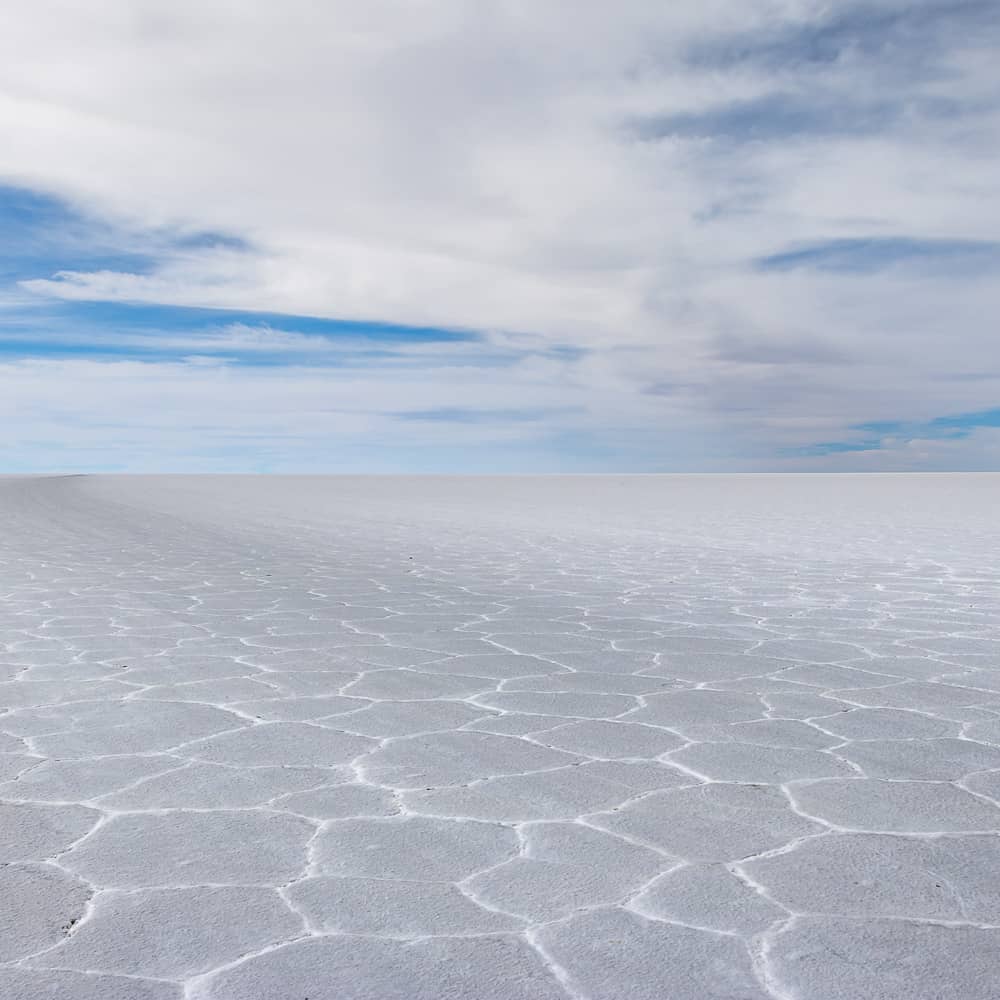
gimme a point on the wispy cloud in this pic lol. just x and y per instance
(937, 256)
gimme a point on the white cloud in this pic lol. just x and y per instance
(485, 166)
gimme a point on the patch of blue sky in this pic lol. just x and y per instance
(119, 331)
(970, 421)
(876, 433)
(954, 425)
(834, 448)
(162, 319)
(65, 329)
(871, 254)
(42, 235)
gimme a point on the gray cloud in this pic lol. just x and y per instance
(867, 256)
(905, 37)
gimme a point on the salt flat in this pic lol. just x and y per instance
(675, 738)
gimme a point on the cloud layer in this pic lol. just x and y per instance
(708, 235)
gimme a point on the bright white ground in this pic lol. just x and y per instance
(652, 738)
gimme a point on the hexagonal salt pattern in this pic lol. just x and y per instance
(267, 738)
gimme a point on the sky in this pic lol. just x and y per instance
(508, 236)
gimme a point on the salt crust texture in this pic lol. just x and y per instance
(675, 738)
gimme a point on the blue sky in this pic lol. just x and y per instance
(726, 235)
(873, 436)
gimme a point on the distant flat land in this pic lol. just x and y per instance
(604, 737)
